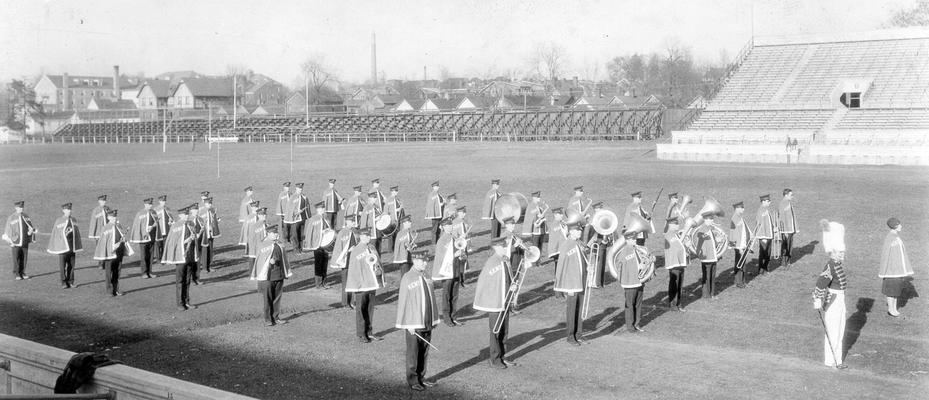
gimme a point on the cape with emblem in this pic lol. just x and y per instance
(362, 276)
(165, 220)
(628, 273)
(765, 223)
(243, 208)
(487, 211)
(786, 219)
(111, 238)
(556, 236)
(263, 261)
(256, 235)
(571, 269)
(434, 206)
(674, 253)
(344, 241)
(404, 240)
(58, 243)
(492, 285)
(97, 221)
(246, 230)
(210, 223)
(738, 232)
(894, 261)
(180, 236)
(17, 229)
(313, 232)
(442, 267)
(144, 227)
(416, 305)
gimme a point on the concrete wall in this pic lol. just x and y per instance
(31, 368)
(811, 154)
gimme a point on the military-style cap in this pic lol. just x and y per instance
(114, 212)
(271, 229)
(446, 222)
(537, 194)
(499, 241)
(787, 190)
(672, 195)
(436, 183)
(739, 205)
(598, 204)
(575, 227)
(66, 206)
(406, 218)
(287, 184)
(376, 180)
(509, 220)
(331, 180)
(248, 188)
(208, 200)
(299, 185)
(494, 181)
(101, 197)
(453, 196)
(893, 223)
(262, 211)
(558, 210)
(708, 214)
(630, 234)
(462, 209)
(637, 194)
(578, 188)
(321, 204)
(674, 220)
(419, 255)
(163, 197)
(357, 188)
(372, 195)
(395, 188)
(362, 232)
(19, 203)
(182, 210)
(147, 201)
(204, 194)
(764, 197)
(254, 203)
(194, 206)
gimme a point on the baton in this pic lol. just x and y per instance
(828, 340)
(424, 340)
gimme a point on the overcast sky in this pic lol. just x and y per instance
(467, 37)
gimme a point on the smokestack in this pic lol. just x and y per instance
(116, 92)
(65, 92)
(373, 59)
(424, 74)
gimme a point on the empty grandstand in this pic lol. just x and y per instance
(848, 98)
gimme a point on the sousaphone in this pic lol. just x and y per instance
(691, 224)
(646, 271)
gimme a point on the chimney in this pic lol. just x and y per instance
(575, 82)
(65, 92)
(424, 74)
(116, 92)
(373, 59)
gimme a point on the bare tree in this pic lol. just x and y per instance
(319, 76)
(918, 15)
(548, 60)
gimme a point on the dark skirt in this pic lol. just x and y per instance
(892, 287)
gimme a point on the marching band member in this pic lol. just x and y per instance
(829, 294)
(281, 207)
(203, 196)
(629, 265)
(417, 314)
(354, 204)
(487, 212)
(344, 242)
(404, 245)
(142, 232)
(243, 205)
(65, 242)
(445, 271)
(557, 234)
(165, 220)
(257, 231)
(603, 242)
(364, 278)
(738, 240)
(571, 280)
(579, 202)
(895, 266)
(493, 283)
(312, 237)
(270, 269)
(297, 214)
(706, 251)
(461, 229)
(534, 226)
(247, 225)
(514, 252)
(787, 225)
(435, 204)
(111, 248)
(19, 233)
(193, 219)
(765, 229)
(211, 231)
(181, 251)
(394, 208)
(368, 220)
(451, 204)
(675, 261)
(636, 208)
(674, 210)
(98, 220)
(333, 201)
(376, 189)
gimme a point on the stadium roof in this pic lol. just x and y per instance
(884, 34)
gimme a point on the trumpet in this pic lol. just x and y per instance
(540, 217)
(412, 244)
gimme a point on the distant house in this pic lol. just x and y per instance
(47, 123)
(498, 88)
(521, 102)
(296, 103)
(104, 104)
(269, 110)
(266, 91)
(591, 102)
(433, 105)
(635, 102)
(153, 93)
(474, 103)
(409, 105)
(74, 92)
(202, 93)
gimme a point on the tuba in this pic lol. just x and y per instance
(511, 205)
(646, 264)
(637, 224)
(685, 202)
(605, 222)
(710, 207)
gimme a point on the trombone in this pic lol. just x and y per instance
(532, 255)
(604, 222)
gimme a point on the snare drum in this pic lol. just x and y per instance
(385, 224)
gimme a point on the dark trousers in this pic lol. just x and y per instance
(786, 243)
(764, 254)
(271, 292)
(498, 340)
(206, 255)
(675, 285)
(296, 235)
(709, 279)
(332, 216)
(158, 251)
(146, 254)
(494, 228)
(66, 267)
(320, 263)
(183, 274)
(435, 230)
(449, 298)
(347, 297)
(111, 268)
(20, 256)
(739, 272)
(640, 241)
(573, 321)
(364, 313)
(416, 353)
(633, 306)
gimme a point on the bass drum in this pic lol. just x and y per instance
(327, 240)
(511, 205)
(385, 224)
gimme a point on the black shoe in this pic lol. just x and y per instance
(582, 341)
(181, 308)
(363, 339)
(429, 384)
(270, 324)
(681, 309)
(65, 286)
(191, 307)
(457, 322)
(574, 342)
(198, 283)
(494, 365)
(19, 278)
(375, 337)
(841, 366)
(740, 285)
(282, 322)
(638, 328)
(509, 363)
(118, 293)
(417, 387)
(26, 277)
(145, 276)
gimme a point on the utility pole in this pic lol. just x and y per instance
(235, 104)
(306, 96)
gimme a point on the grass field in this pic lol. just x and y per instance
(764, 341)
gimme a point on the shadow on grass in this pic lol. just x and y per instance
(856, 322)
(909, 292)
